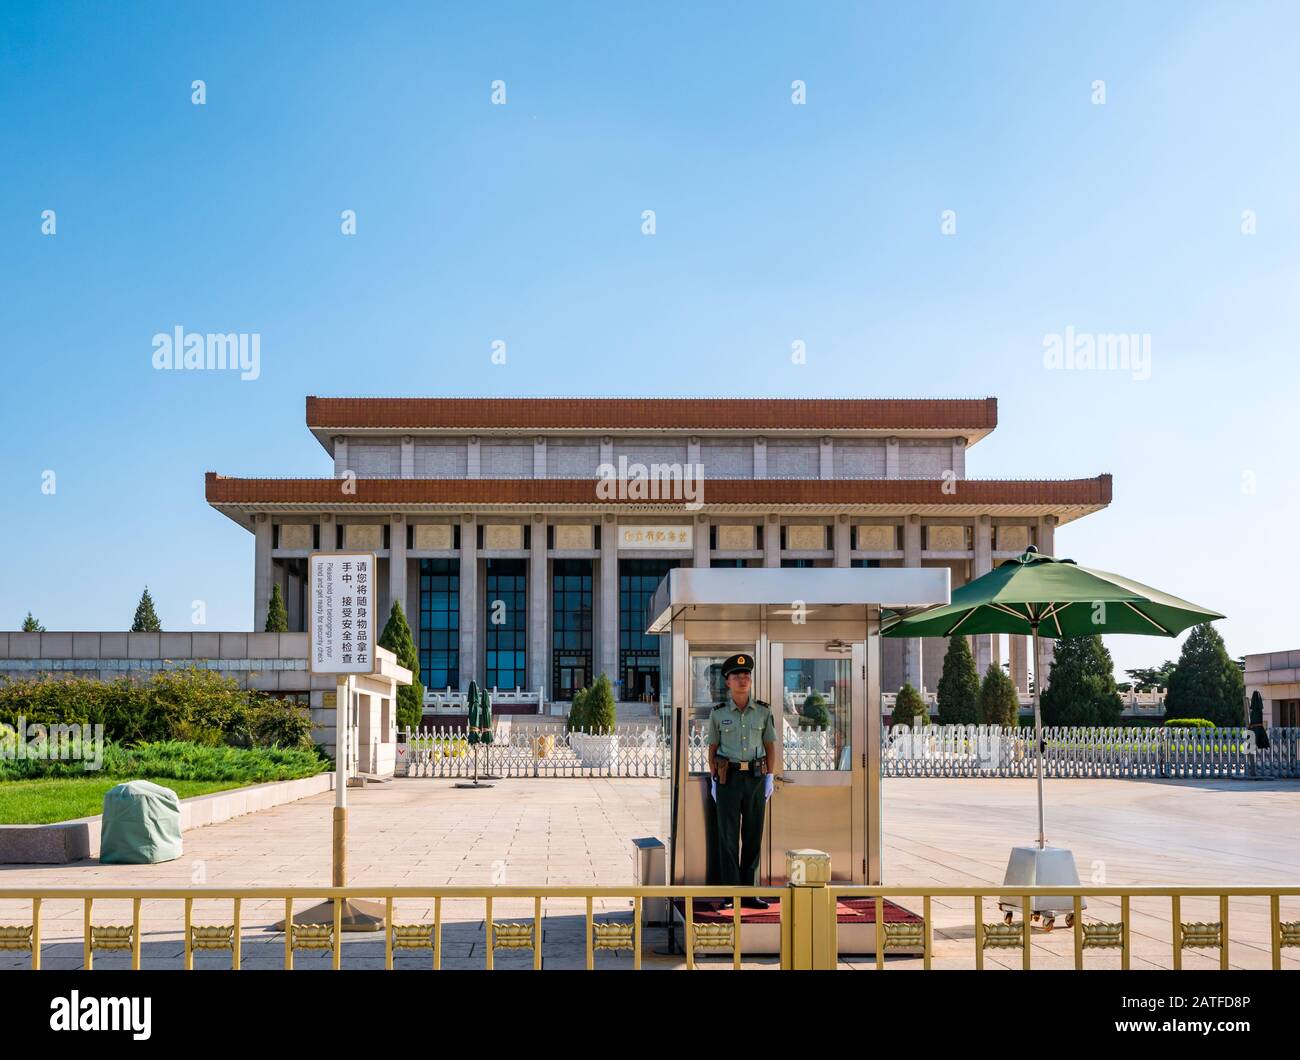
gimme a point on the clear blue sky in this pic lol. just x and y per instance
(522, 222)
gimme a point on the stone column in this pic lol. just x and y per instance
(1019, 649)
(701, 541)
(340, 455)
(912, 558)
(328, 533)
(827, 461)
(959, 457)
(538, 608)
(408, 458)
(261, 570)
(1046, 648)
(891, 458)
(607, 642)
(772, 541)
(468, 600)
(472, 467)
(842, 543)
(397, 570)
(983, 563)
(760, 457)
(539, 457)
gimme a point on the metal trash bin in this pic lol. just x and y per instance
(650, 869)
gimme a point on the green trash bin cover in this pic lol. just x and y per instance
(141, 824)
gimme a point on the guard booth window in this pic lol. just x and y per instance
(816, 714)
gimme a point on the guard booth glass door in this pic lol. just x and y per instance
(817, 697)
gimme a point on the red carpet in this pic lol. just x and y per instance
(848, 911)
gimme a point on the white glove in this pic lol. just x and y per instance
(713, 788)
(769, 782)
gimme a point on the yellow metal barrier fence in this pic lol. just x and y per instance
(807, 913)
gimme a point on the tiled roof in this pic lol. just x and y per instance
(703, 414)
(1088, 492)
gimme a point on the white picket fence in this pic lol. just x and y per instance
(1082, 751)
(520, 749)
(641, 750)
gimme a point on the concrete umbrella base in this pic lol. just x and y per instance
(1034, 866)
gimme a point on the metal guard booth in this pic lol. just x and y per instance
(810, 630)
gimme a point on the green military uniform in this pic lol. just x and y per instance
(739, 736)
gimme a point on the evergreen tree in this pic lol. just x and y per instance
(1206, 683)
(814, 712)
(30, 625)
(578, 712)
(1081, 689)
(600, 711)
(277, 618)
(909, 707)
(999, 704)
(146, 618)
(397, 639)
(959, 687)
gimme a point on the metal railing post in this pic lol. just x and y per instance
(808, 939)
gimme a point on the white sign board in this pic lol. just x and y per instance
(343, 612)
(631, 537)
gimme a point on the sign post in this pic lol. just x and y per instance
(341, 642)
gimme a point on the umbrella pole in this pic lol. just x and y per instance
(1038, 736)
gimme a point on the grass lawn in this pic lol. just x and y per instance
(66, 798)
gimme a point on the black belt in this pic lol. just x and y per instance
(744, 767)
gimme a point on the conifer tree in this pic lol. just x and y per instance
(277, 618)
(397, 639)
(146, 618)
(999, 703)
(959, 686)
(1081, 688)
(1206, 683)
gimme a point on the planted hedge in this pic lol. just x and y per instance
(178, 760)
(197, 706)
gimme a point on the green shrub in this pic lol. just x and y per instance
(277, 618)
(1206, 683)
(814, 713)
(193, 705)
(909, 707)
(397, 639)
(178, 760)
(1081, 687)
(600, 713)
(577, 712)
(959, 687)
(999, 703)
(1188, 723)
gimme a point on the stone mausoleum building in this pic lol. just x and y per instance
(520, 562)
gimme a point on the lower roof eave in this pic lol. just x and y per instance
(243, 513)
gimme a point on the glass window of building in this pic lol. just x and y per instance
(570, 626)
(638, 654)
(506, 640)
(439, 631)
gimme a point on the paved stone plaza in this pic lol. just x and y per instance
(576, 832)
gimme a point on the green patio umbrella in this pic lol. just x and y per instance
(1041, 596)
(472, 723)
(485, 717)
(480, 719)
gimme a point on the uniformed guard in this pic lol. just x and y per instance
(742, 742)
